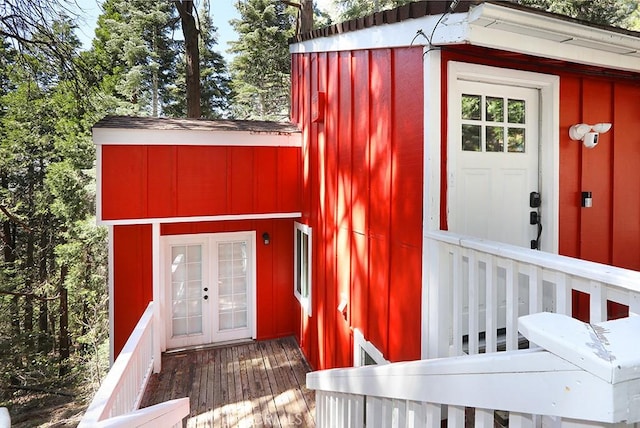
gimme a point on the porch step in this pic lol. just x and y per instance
(523, 343)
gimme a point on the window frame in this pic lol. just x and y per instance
(361, 346)
(302, 293)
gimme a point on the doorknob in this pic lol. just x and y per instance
(205, 297)
(206, 288)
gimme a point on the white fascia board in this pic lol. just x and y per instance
(513, 42)
(452, 29)
(503, 28)
(178, 137)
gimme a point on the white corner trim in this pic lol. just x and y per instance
(111, 285)
(179, 137)
(229, 217)
(99, 185)
(158, 302)
(432, 140)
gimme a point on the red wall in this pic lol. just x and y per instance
(362, 196)
(176, 181)
(132, 279)
(276, 304)
(362, 186)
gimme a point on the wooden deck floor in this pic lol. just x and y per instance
(258, 384)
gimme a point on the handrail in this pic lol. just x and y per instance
(159, 415)
(619, 277)
(563, 381)
(122, 388)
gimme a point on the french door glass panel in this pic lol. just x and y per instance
(186, 290)
(232, 280)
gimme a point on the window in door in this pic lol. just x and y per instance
(302, 265)
(489, 121)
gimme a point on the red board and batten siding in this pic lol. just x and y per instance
(362, 196)
(142, 181)
(362, 189)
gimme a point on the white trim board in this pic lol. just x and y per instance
(229, 217)
(498, 27)
(180, 137)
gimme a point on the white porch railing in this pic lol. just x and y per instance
(118, 398)
(475, 293)
(477, 289)
(589, 376)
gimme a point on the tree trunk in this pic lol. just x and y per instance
(65, 344)
(306, 16)
(192, 56)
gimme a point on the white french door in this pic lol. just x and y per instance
(209, 288)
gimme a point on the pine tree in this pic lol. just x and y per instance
(133, 54)
(260, 69)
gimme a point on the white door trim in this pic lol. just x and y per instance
(549, 87)
(207, 239)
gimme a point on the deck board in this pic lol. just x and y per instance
(245, 385)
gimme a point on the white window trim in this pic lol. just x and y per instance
(305, 301)
(361, 344)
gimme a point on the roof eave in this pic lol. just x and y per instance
(494, 26)
(500, 27)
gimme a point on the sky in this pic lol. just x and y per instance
(222, 11)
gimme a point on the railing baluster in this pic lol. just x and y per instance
(513, 304)
(520, 420)
(433, 415)
(455, 417)
(491, 305)
(563, 293)
(535, 289)
(597, 302)
(484, 418)
(473, 302)
(457, 287)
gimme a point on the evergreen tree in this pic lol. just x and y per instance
(350, 9)
(215, 88)
(603, 12)
(260, 69)
(133, 54)
(46, 200)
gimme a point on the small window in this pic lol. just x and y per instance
(302, 265)
(365, 353)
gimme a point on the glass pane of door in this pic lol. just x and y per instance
(232, 282)
(186, 290)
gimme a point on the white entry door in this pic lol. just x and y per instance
(209, 283)
(493, 162)
(493, 167)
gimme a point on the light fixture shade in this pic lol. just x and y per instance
(601, 127)
(577, 132)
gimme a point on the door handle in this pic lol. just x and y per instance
(205, 297)
(206, 288)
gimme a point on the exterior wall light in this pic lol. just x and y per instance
(588, 134)
(266, 238)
